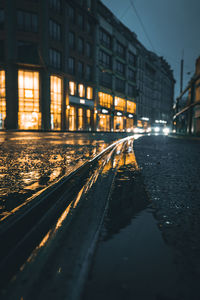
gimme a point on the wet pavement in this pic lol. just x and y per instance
(32, 161)
(149, 246)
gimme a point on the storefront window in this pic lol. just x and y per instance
(89, 92)
(72, 118)
(72, 88)
(118, 123)
(129, 124)
(2, 99)
(29, 115)
(88, 119)
(105, 100)
(56, 102)
(80, 119)
(131, 107)
(104, 122)
(81, 90)
(120, 103)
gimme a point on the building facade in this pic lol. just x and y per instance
(155, 83)
(72, 65)
(116, 56)
(46, 64)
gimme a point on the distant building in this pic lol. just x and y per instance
(116, 55)
(196, 115)
(155, 82)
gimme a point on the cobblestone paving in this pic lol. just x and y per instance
(171, 171)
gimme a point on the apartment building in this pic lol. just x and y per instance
(116, 56)
(46, 64)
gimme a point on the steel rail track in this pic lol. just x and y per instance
(20, 236)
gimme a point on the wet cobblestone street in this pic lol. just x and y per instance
(171, 171)
(30, 162)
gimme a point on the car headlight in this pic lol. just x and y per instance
(166, 130)
(157, 129)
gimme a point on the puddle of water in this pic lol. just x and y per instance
(132, 260)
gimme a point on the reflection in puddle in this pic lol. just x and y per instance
(132, 260)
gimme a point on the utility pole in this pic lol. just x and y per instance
(181, 75)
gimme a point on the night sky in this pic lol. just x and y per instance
(173, 26)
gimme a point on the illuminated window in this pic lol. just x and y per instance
(72, 88)
(131, 107)
(105, 100)
(56, 102)
(118, 123)
(89, 92)
(120, 103)
(88, 119)
(2, 98)
(129, 124)
(80, 119)
(72, 118)
(104, 122)
(29, 115)
(81, 90)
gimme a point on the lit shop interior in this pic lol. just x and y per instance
(2, 99)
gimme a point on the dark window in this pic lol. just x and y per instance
(120, 50)
(55, 5)
(132, 59)
(71, 12)
(55, 58)
(131, 75)
(105, 38)
(80, 21)
(2, 18)
(54, 30)
(131, 90)
(72, 40)
(119, 85)
(105, 79)
(88, 50)
(2, 53)
(89, 4)
(104, 59)
(80, 69)
(88, 72)
(120, 68)
(71, 65)
(80, 45)
(27, 21)
(27, 52)
(89, 27)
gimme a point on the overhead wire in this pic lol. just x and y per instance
(142, 24)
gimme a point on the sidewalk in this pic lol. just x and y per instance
(154, 253)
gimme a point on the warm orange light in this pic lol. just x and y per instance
(104, 122)
(72, 88)
(89, 92)
(120, 103)
(2, 98)
(81, 90)
(72, 118)
(131, 107)
(118, 123)
(29, 116)
(105, 100)
(56, 102)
